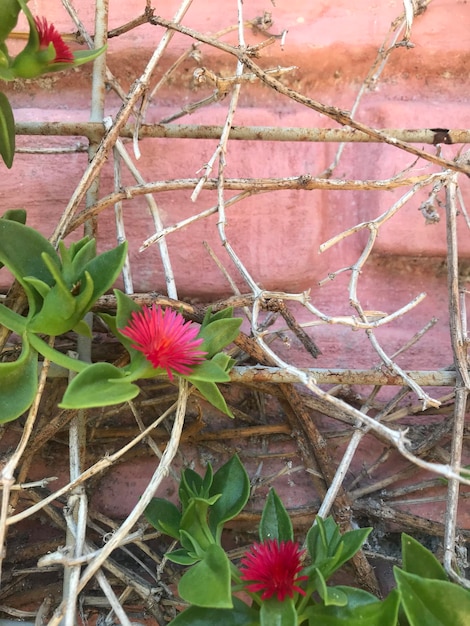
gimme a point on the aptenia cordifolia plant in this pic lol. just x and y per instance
(61, 288)
(277, 581)
(44, 52)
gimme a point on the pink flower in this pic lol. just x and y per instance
(48, 34)
(166, 340)
(272, 567)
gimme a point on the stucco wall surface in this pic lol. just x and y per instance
(278, 234)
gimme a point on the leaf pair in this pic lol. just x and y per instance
(60, 291)
(207, 503)
(427, 595)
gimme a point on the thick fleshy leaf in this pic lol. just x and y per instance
(419, 560)
(100, 384)
(208, 371)
(65, 361)
(331, 596)
(323, 543)
(105, 268)
(7, 131)
(329, 550)
(212, 394)
(5, 61)
(207, 584)
(240, 615)
(218, 334)
(232, 482)
(17, 215)
(12, 320)
(164, 516)
(182, 557)
(194, 520)
(432, 602)
(191, 486)
(82, 328)
(125, 306)
(26, 259)
(61, 310)
(18, 384)
(275, 521)
(362, 609)
(9, 11)
(275, 613)
(352, 542)
(75, 258)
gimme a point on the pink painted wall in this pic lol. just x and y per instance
(333, 46)
(277, 235)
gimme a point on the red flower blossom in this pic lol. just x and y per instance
(166, 339)
(48, 34)
(272, 567)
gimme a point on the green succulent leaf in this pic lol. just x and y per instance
(16, 215)
(231, 482)
(324, 544)
(194, 520)
(12, 320)
(275, 521)
(419, 560)
(164, 516)
(192, 486)
(100, 384)
(61, 311)
(9, 11)
(18, 384)
(75, 258)
(240, 615)
(212, 394)
(105, 268)
(75, 365)
(208, 371)
(352, 541)
(331, 596)
(7, 131)
(218, 334)
(26, 259)
(276, 613)
(432, 602)
(82, 328)
(181, 557)
(362, 609)
(329, 550)
(207, 583)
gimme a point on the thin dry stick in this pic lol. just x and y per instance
(459, 346)
(340, 116)
(304, 182)
(375, 71)
(153, 207)
(91, 471)
(7, 475)
(119, 216)
(149, 492)
(136, 92)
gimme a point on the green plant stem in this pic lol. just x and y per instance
(54, 355)
(305, 599)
